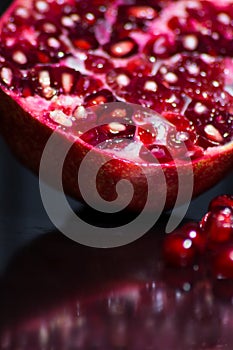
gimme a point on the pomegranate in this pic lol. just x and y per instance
(59, 58)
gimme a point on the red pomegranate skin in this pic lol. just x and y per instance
(27, 137)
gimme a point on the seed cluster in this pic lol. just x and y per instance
(210, 240)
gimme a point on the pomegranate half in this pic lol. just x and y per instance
(58, 58)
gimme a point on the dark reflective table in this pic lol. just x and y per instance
(56, 294)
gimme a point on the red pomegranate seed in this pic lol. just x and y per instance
(140, 66)
(179, 251)
(82, 44)
(160, 46)
(123, 48)
(103, 96)
(146, 134)
(222, 263)
(221, 201)
(155, 153)
(142, 12)
(98, 64)
(218, 225)
(193, 231)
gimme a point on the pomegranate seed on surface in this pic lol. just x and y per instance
(221, 201)
(222, 264)
(218, 225)
(198, 237)
(179, 251)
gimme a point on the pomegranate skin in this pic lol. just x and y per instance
(27, 138)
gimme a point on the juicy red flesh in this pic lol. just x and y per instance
(176, 62)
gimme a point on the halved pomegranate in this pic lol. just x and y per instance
(59, 58)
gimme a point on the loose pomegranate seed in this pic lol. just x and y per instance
(178, 251)
(194, 232)
(222, 202)
(218, 224)
(223, 263)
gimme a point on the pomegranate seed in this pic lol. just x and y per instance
(80, 113)
(42, 6)
(60, 118)
(98, 64)
(44, 78)
(155, 153)
(22, 12)
(213, 134)
(43, 57)
(115, 127)
(178, 251)
(160, 46)
(146, 134)
(151, 86)
(223, 263)
(95, 136)
(218, 224)
(142, 12)
(123, 48)
(190, 42)
(103, 96)
(194, 232)
(85, 42)
(140, 66)
(6, 75)
(221, 201)
(20, 58)
(67, 82)
(82, 44)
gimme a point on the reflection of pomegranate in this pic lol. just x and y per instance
(56, 294)
(58, 58)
